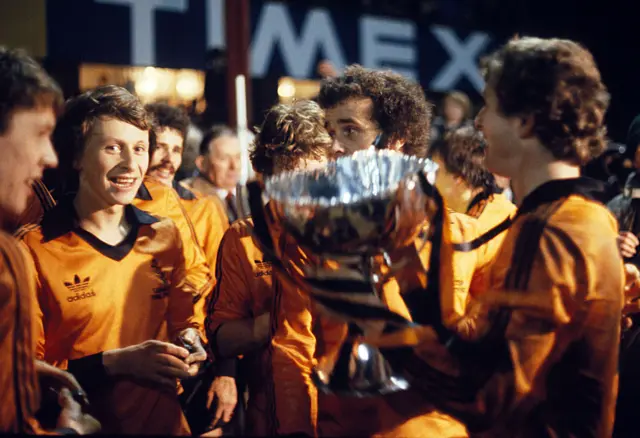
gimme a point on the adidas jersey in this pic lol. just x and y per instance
(244, 289)
(93, 297)
(162, 202)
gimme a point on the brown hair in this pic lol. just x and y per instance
(463, 152)
(290, 133)
(399, 105)
(78, 117)
(462, 100)
(24, 84)
(558, 83)
(168, 117)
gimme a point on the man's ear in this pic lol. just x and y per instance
(525, 127)
(199, 162)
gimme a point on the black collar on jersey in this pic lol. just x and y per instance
(62, 219)
(183, 192)
(557, 189)
(143, 193)
(483, 195)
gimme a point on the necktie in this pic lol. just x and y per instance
(231, 207)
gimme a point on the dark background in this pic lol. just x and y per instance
(85, 31)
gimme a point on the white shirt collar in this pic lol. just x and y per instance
(223, 193)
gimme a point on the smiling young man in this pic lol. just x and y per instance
(206, 213)
(114, 306)
(29, 99)
(549, 366)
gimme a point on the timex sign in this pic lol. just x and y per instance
(287, 39)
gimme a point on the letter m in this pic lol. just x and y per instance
(275, 29)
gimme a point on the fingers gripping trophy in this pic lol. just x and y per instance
(360, 225)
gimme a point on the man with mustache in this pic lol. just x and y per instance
(206, 213)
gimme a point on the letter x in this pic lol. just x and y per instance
(463, 60)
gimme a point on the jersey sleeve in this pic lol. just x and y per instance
(231, 299)
(293, 345)
(20, 395)
(209, 226)
(196, 272)
(181, 312)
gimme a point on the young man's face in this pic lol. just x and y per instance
(222, 163)
(167, 156)
(504, 146)
(113, 163)
(351, 125)
(26, 151)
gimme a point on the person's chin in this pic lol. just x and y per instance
(163, 177)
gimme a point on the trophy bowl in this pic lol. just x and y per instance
(363, 202)
(347, 218)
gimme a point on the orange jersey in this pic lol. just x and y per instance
(162, 202)
(208, 218)
(556, 290)
(94, 297)
(20, 394)
(491, 212)
(245, 289)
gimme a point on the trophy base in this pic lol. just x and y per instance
(360, 371)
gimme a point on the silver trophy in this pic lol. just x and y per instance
(358, 222)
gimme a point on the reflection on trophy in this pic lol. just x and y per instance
(356, 224)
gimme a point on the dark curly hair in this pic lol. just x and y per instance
(24, 84)
(78, 117)
(167, 116)
(463, 151)
(558, 83)
(400, 108)
(290, 133)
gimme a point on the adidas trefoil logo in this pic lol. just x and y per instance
(79, 288)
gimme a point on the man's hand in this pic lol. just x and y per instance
(631, 295)
(191, 340)
(628, 244)
(61, 377)
(157, 361)
(72, 417)
(223, 389)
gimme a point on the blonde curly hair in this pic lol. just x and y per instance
(289, 134)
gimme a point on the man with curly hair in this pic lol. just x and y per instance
(546, 364)
(292, 137)
(365, 106)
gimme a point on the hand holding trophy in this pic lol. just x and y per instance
(356, 224)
